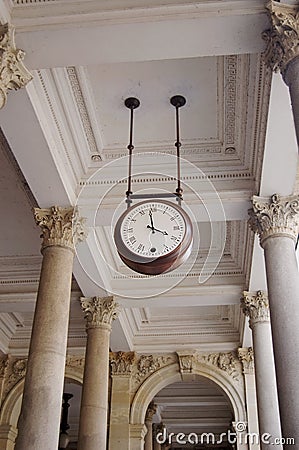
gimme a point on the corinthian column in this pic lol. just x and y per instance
(99, 314)
(275, 220)
(39, 420)
(282, 51)
(256, 307)
(148, 441)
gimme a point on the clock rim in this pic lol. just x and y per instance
(160, 264)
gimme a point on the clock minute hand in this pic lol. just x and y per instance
(152, 222)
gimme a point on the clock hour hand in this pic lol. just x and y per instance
(156, 229)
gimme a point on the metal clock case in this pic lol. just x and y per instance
(154, 236)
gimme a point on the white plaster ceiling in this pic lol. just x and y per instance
(68, 131)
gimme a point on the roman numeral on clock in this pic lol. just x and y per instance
(132, 239)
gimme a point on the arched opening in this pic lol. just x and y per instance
(194, 414)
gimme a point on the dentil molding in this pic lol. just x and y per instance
(13, 73)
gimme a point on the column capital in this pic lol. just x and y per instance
(274, 216)
(283, 36)
(122, 363)
(13, 73)
(150, 412)
(256, 307)
(99, 311)
(60, 226)
(246, 357)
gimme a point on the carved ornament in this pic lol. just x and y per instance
(247, 359)
(274, 216)
(226, 362)
(122, 363)
(256, 307)
(60, 226)
(17, 371)
(148, 364)
(283, 36)
(75, 361)
(185, 361)
(150, 412)
(13, 73)
(99, 311)
(3, 365)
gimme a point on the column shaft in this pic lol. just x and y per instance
(39, 421)
(276, 220)
(148, 441)
(283, 289)
(267, 401)
(94, 402)
(99, 313)
(291, 77)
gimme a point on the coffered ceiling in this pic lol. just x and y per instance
(64, 143)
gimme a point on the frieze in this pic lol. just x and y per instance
(227, 362)
(16, 370)
(75, 361)
(148, 364)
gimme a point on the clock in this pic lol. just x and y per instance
(154, 236)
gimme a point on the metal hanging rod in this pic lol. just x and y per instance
(132, 103)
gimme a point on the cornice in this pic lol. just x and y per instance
(38, 14)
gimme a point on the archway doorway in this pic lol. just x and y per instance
(195, 414)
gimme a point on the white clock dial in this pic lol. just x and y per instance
(153, 229)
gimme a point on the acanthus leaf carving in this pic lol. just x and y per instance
(3, 365)
(60, 226)
(226, 362)
(122, 363)
(256, 307)
(75, 361)
(13, 73)
(283, 36)
(246, 357)
(277, 215)
(17, 371)
(148, 364)
(99, 311)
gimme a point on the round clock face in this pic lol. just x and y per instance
(151, 231)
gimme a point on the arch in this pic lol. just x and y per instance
(11, 407)
(171, 374)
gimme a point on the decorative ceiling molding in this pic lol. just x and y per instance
(84, 115)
